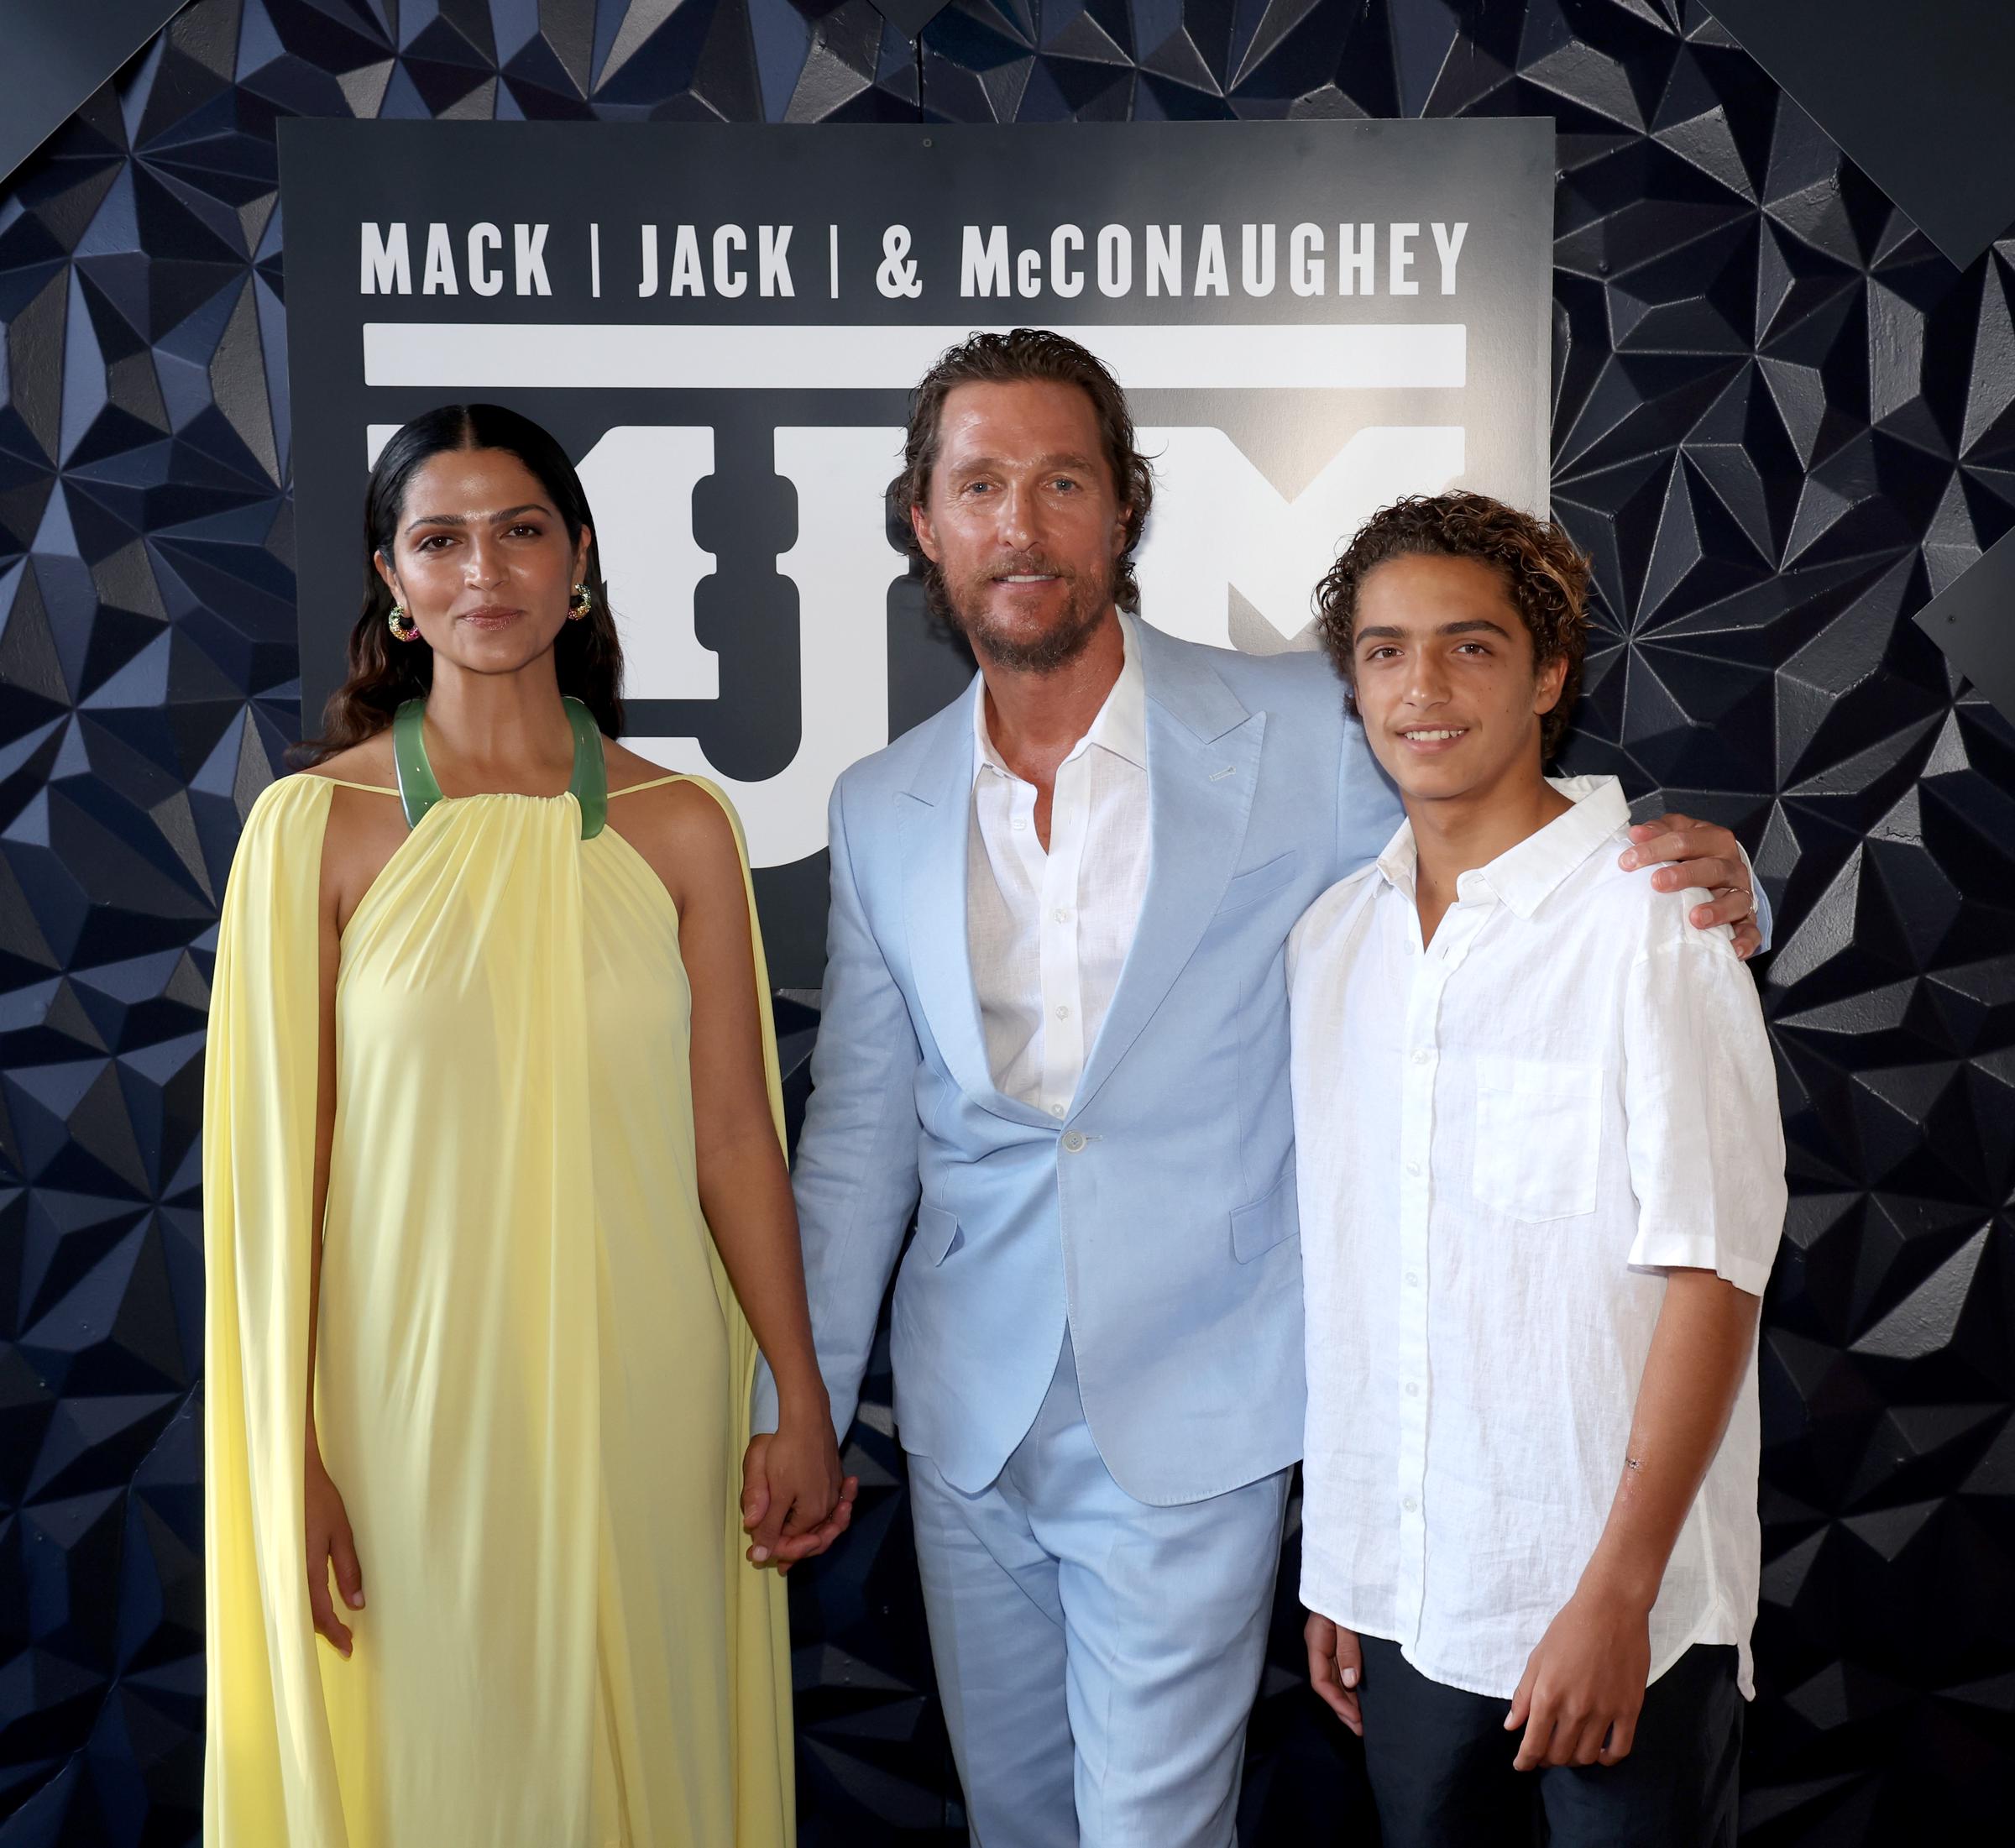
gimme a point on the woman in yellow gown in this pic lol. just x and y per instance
(493, 1176)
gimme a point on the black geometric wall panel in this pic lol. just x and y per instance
(1927, 120)
(56, 56)
(1782, 422)
(1970, 620)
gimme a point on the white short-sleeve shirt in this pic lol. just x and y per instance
(1504, 1140)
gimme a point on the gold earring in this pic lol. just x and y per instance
(580, 603)
(403, 627)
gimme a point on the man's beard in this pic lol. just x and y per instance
(1085, 606)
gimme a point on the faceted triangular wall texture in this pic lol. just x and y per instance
(1781, 423)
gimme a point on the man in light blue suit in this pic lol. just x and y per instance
(1055, 1029)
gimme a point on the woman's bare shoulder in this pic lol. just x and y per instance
(678, 825)
(662, 797)
(367, 822)
(370, 763)
(626, 770)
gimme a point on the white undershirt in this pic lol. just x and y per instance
(1048, 932)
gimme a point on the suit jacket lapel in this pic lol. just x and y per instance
(1203, 768)
(936, 814)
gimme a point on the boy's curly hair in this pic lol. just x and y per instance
(1544, 572)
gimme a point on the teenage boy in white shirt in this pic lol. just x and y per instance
(1541, 1180)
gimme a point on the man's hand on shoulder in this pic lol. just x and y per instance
(1700, 853)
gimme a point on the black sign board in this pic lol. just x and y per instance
(721, 324)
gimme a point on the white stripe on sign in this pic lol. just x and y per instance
(1301, 357)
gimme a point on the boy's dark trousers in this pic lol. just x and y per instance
(1440, 1761)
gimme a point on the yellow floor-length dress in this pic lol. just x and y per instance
(532, 1377)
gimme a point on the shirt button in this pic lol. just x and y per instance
(1056, 1110)
(1063, 914)
(1412, 1390)
(1410, 1505)
(1020, 823)
(1421, 1055)
(1074, 1141)
(1413, 1167)
(1062, 1012)
(1413, 1279)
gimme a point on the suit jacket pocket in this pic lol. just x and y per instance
(937, 1234)
(1260, 881)
(1270, 1220)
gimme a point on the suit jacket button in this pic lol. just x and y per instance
(1073, 1141)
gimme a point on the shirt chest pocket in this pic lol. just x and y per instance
(1538, 1136)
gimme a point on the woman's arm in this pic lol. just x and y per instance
(745, 1188)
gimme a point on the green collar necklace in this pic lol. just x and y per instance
(419, 790)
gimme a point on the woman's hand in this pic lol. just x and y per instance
(794, 1501)
(330, 1544)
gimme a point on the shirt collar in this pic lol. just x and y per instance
(1121, 726)
(1524, 876)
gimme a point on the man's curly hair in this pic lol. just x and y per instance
(1008, 358)
(1545, 574)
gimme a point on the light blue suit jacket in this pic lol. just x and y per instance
(1157, 1217)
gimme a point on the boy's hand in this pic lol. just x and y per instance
(1335, 1665)
(1583, 1687)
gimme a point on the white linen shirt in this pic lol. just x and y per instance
(1503, 1141)
(1048, 932)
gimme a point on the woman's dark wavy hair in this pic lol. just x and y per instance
(1544, 572)
(384, 674)
(1009, 358)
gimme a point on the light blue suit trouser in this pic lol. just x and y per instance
(1096, 1657)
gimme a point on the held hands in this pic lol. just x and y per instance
(794, 1502)
(1583, 1687)
(330, 1543)
(1701, 854)
(1336, 1666)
